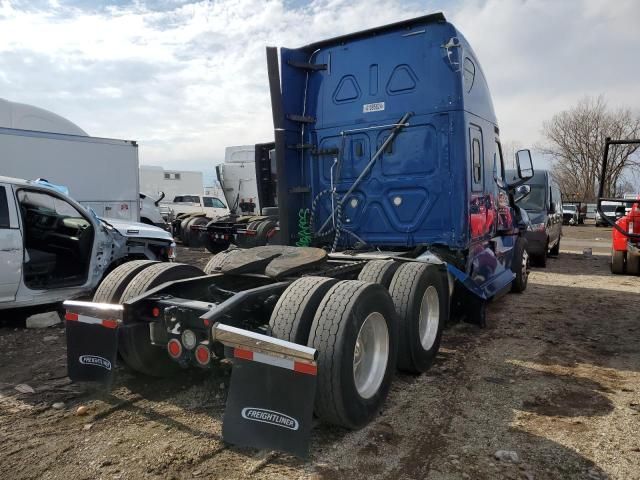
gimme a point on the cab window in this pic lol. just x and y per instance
(213, 202)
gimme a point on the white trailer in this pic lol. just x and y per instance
(155, 180)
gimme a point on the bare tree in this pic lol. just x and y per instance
(575, 141)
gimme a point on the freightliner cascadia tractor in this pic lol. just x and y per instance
(394, 216)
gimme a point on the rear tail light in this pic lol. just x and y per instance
(174, 347)
(203, 357)
(155, 311)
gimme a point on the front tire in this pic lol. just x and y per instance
(540, 260)
(355, 333)
(520, 266)
(420, 293)
(618, 262)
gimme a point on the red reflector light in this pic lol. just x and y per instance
(110, 323)
(175, 348)
(72, 317)
(206, 322)
(202, 355)
(155, 312)
(246, 354)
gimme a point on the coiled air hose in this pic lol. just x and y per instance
(304, 228)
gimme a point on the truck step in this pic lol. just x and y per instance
(299, 190)
(300, 118)
(301, 146)
(312, 67)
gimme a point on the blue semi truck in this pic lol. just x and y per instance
(394, 217)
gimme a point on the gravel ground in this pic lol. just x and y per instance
(555, 378)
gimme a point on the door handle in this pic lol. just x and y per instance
(9, 249)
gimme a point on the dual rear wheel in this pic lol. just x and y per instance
(130, 280)
(392, 317)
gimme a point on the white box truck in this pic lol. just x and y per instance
(100, 173)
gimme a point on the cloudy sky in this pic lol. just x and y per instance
(186, 79)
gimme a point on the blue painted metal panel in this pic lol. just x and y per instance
(419, 191)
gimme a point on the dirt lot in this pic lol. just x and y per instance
(554, 377)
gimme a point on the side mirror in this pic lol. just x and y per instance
(157, 202)
(524, 164)
(521, 192)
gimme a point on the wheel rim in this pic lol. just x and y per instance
(429, 317)
(371, 355)
(525, 267)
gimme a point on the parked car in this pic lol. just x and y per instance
(53, 248)
(544, 206)
(570, 215)
(192, 203)
(612, 210)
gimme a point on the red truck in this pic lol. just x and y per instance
(625, 236)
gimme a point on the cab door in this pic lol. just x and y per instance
(11, 249)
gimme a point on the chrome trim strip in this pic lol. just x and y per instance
(103, 311)
(238, 337)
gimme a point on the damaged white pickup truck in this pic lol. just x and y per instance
(53, 249)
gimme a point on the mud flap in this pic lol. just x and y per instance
(92, 345)
(270, 403)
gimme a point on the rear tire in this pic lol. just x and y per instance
(355, 333)
(136, 348)
(264, 232)
(379, 271)
(633, 264)
(520, 266)
(248, 241)
(617, 262)
(113, 285)
(217, 261)
(183, 228)
(196, 239)
(292, 316)
(269, 211)
(420, 293)
(190, 238)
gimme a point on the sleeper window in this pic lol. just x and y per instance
(477, 162)
(469, 74)
(4, 209)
